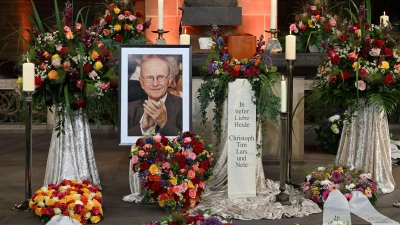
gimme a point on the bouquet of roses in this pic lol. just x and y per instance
(329, 134)
(363, 64)
(73, 68)
(321, 181)
(173, 172)
(194, 217)
(80, 200)
(120, 25)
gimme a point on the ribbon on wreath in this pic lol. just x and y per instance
(337, 206)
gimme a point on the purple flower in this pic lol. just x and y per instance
(211, 68)
(212, 221)
(336, 176)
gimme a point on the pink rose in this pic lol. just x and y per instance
(293, 28)
(139, 27)
(361, 85)
(135, 159)
(78, 26)
(191, 174)
(177, 189)
(66, 65)
(67, 29)
(375, 52)
(80, 84)
(195, 167)
(184, 187)
(202, 185)
(185, 152)
(132, 17)
(92, 74)
(141, 153)
(147, 146)
(58, 47)
(322, 19)
(56, 63)
(187, 140)
(192, 156)
(313, 7)
(166, 165)
(332, 22)
(121, 17)
(107, 12)
(105, 86)
(157, 138)
(352, 56)
(102, 21)
(192, 193)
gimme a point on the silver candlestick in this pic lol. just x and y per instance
(160, 40)
(273, 44)
(24, 206)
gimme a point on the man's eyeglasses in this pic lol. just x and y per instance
(150, 79)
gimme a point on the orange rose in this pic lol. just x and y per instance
(53, 75)
(106, 32)
(127, 27)
(236, 68)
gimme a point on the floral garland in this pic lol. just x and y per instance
(81, 200)
(194, 217)
(346, 178)
(220, 69)
(174, 171)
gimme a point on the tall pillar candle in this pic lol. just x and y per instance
(28, 77)
(184, 39)
(290, 47)
(283, 95)
(384, 20)
(273, 15)
(160, 14)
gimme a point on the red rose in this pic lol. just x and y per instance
(139, 15)
(80, 84)
(113, 84)
(144, 166)
(343, 37)
(225, 37)
(157, 144)
(387, 52)
(105, 52)
(38, 82)
(297, 19)
(316, 12)
(335, 60)
(112, 6)
(80, 102)
(195, 180)
(327, 27)
(204, 164)
(363, 73)
(331, 53)
(140, 142)
(86, 68)
(357, 26)
(234, 73)
(127, 13)
(155, 186)
(344, 75)
(64, 50)
(379, 43)
(108, 18)
(223, 51)
(389, 79)
(303, 27)
(96, 21)
(190, 219)
(118, 38)
(198, 149)
(164, 140)
(199, 192)
(367, 26)
(190, 134)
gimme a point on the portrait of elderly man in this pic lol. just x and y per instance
(160, 112)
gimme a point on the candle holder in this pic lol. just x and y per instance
(273, 44)
(24, 206)
(289, 100)
(160, 40)
(282, 197)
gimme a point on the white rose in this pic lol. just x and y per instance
(46, 198)
(308, 177)
(326, 182)
(57, 211)
(78, 202)
(321, 168)
(41, 204)
(350, 186)
(336, 131)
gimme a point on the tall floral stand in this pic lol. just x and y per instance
(365, 143)
(71, 155)
(263, 206)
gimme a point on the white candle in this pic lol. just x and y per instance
(28, 77)
(273, 14)
(283, 95)
(160, 14)
(384, 19)
(184, 39)
(290, 47)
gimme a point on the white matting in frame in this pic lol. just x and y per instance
(132, 91)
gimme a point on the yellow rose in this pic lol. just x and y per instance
(73, 192)
(19, 80)
(95, 219)
(85, 190)
(117, 10)
(76, 217)
(71, 206)
(310, 24)
(94, 55)
(173, 180)
(384, 65)
(56, 56)
(359, 32)
(101, 211)
(46, 54)
(161, 203)
(98, 65)
(99, 194)
(38, 211)
(53, 75)
(62, 201)
(88, 206)
(153, 169)
(96, 203)
(136, 148)
(216, 72)
(117, 27)
(69, 198)
(49, 202)
(70, 35)
(38, 198)
(31, 203)
(169, 149)
(191, 185)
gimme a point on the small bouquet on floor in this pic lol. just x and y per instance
(174, 171)
(329, 133)
(81, 200)
(194, 217)
(346, 178)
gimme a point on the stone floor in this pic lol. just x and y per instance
(112, 162)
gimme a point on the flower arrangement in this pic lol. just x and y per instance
(81, 200)
(174, 171)
(346, 178)
(313, 25)
(73, 68)
(194, 217)
(362, 66)
(329, 133)
(220, 69)
(120, 25)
